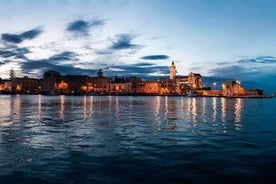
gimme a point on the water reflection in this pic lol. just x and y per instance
(91, 107)
(62, 106)
(214, 105)
(165, 111)
(39, 106)
(223, 109)
(84, 107)
(238, 109)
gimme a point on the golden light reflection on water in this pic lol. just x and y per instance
(117, 108)
(166, 106)
(204, 109)
(16, 107)
(165, 110)
(84, 108)
(193, 109)
(238, 108)
(157, 112)
(5, 108)
(214, 104)
(157, 106)
(62, 106)
(91, 107)
(223, 109)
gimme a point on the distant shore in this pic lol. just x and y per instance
(118, 94)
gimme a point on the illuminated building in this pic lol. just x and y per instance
(53, 83)
(25, 85)
(149, 87)
(232, 88)
(172, 71)
(195, 80)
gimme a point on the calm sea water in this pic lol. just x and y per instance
(126, 139)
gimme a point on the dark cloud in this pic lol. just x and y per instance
(13, 38)
(123, 41)
(64, 56)
(143, 70)
(43, 65)
(18, 38)
(52, 63)
(155, 57)
(260, 59)
(4, 62)
(251, 75)
(143, 64)
(31, 34)
(78, 26)
(229, 71)
(14, 52)
(104, 52)
(82, 27)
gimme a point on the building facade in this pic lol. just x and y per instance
(172, 71)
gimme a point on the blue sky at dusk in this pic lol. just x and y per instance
(233, 39)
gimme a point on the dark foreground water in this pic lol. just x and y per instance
(124, 139)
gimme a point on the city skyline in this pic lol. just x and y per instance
(227, 39)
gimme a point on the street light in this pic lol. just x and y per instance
(215, 84)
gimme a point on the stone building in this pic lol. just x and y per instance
(149, 87)
(25, 85)
(195, 80)
(232, 88)
(172, 71)
(54, 83)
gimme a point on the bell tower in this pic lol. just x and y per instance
(172, 71)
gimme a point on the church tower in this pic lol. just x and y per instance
(172, 71)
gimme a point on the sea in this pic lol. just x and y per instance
(137, 139)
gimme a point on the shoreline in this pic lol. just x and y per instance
(108, 94)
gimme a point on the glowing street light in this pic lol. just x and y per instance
(215, 84)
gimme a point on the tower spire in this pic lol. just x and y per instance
(172, 71)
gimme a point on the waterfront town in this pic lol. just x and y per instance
(53, 83)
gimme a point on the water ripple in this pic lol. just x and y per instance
(113, 139)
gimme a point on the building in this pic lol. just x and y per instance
(25, 85)
(172, 71)
(195, 80)
(167, 86)
(149, 87)
(49, 82)
(54, 83)
(234, 88)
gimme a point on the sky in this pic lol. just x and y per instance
(221, 40)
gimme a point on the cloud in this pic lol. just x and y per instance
(229, 71)
(155, 57)
(13, 38)
(143, 70)
(13, 52)
(4, 62)
(39, 66)
(18, 38)
(260, 59)
(64, 56)
(257, 72)
(43, 65)
(104, 52)
(31, 34)
(82, 27)
(123, 41)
